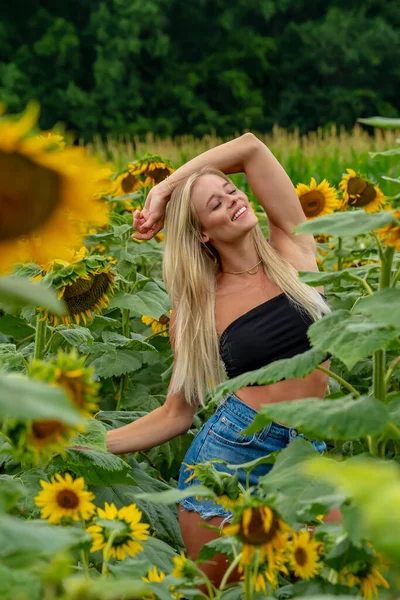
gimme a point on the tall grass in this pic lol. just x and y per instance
(326, 152)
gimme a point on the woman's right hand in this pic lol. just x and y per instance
(150, 220)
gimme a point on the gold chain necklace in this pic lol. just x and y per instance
(249, 271)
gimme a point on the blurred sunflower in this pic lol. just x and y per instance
(65, 497)
(131, 531)
(152, 169)
(304, 555)
(259, 526)
(126, 182)
(390, 234)
(359, 192)
(68, 371)
(317, 200)
(366, 576)
(45, 193)
(158, 326)
(83, 282)
(184, 567)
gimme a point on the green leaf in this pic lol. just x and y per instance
(120, 341)
(26, 399)
(74, 334)
(175, 495)
(151, 300)
(390, 152)
(18, 584)
(337, 332)
(10, 358)
(382, 307)
(340, 419)
(389, 122)
(286, 479)
(18, 292)
(94, 436)
(223, 545)
(393, 404)
(285, 368)
(351, 223)
(23, 542)
(315, 278)
(98, 468)
(10, 490)
(15, 327)
(116, 362)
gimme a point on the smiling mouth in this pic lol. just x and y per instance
(239, 213)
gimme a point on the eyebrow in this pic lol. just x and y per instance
(216, 195)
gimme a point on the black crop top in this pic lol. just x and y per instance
(270, 331)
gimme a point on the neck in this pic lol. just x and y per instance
(240, 257)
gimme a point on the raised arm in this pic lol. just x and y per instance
(267, 179)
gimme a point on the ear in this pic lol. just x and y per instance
(205, 237)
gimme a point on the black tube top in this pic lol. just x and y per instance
(270, 331)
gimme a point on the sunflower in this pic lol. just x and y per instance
(69, 372)
(152, 169)
(126, 540)
(359, 192)
(259, 526)
(45, 193)
(126, 182)
(183, 567)
(158, 326)
(304, 555)
(65, 497)
(317, 200)
(390, 234)
(83, 282)
(366, 576)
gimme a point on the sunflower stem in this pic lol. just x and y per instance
(229, 570)
(85, 563)
(248, 592)
(340, 258)
(126, 330)
(104, 569)
(390, 370)
(379, 357)
(342, 381)
(40, 337)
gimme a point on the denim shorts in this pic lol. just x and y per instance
(220, 437)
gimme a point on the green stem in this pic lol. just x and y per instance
(342, 381)
(363, 283)
(126, 329)
(396, 277)
(229, 570)
(390, 370)
(248, 592)
(85, 563)
(107, 549)
(40, 337)
(340, 258)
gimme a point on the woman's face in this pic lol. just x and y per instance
(217, 203)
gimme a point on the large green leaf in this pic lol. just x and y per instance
(18, 292)
(375, 489)
(382, 307)
(98, 468)
(175, 495)
(74, 334)
(26, 399)
(340, 419)
(390, 122)
(23, 542)
(120, 341)
(315, 278)
(150, 300)
(94, 436)
(390, 152)
(285, 368)
(10, 358)
(15, 326)
(116, 362)
(294, 489)
(393, 404)
(350, 337)
(10, 491)
(16, 584)
(343, 224)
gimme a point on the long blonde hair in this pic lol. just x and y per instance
(190, 270)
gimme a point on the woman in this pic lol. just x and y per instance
(235, 297)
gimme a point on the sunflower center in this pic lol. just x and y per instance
(300, 556)
(164, 319)
(67, 499)
(45, 429)
(75, 389)
(84, 294)
(367, 196)
(356, 186)
(158, 174)
(256, 532)
(313, 203)
(26, 202)
(128, 183)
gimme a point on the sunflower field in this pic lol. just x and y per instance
(84, 348)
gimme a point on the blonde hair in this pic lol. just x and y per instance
(190, 268)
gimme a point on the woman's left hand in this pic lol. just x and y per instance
(150, 220)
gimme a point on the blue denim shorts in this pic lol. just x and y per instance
(220, 437)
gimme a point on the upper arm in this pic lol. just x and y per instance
(274, 190)
(176, 404)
